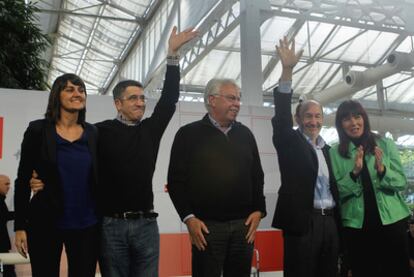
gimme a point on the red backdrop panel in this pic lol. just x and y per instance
(175, 253)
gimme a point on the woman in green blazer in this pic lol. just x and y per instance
(370, 177)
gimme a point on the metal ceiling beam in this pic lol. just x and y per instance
(252, 16)
(124, 10)
(215, 27)
(100, 16)
(394, 45)
(134, 40)
(291, 33)
(84, 45)
(343, 19)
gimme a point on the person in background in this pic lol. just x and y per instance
(5, 215)
(370, 177)
(59, 150)
(307, 207)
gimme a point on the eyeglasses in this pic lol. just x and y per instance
(230, 98)
(134, 98)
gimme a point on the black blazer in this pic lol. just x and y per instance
(38, 152)
(298, 165)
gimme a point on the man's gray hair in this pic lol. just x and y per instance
(213, 88)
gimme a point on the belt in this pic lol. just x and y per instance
(134, 215)
(324, 212)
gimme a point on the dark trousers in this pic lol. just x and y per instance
(45, 248)
(227, 251)
(381, 251)
(314, 254)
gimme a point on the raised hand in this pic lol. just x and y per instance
(288, 56)
(196, 229)
(177, 40)
(379, 166)
(359, 160)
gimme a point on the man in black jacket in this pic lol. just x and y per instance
(307, 205)
(5, 215)
(215, 181)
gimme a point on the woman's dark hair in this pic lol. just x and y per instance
(53, 106)
(367, 140)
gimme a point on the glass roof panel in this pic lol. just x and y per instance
(368, 47)
(272, 30)
(407, 45)
(136, 7)
(217, 63)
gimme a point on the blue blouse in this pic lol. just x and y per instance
(75, 168)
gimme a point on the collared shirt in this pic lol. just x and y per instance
(323, 198)
(125, 121)
(216, 124)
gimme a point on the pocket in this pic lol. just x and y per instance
(107, 221)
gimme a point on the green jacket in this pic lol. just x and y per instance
(387, 190)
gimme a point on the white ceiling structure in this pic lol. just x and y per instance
(360, 49)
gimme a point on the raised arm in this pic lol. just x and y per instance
(282, 121)
(165, 107)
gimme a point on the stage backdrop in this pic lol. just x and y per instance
(18, 108)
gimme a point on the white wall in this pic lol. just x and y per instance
(19, 107)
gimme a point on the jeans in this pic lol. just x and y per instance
(227, 251)
(130, 247)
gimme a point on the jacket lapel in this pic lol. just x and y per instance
(50, 133)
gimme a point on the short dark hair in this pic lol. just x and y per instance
(353, 108)
(53, 106)
(121, 86)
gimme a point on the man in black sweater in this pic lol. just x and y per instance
(127, 153)
(215, 181)
(5, 215)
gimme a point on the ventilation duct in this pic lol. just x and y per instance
(355, 81)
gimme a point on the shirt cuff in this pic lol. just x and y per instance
(285, 86)
(188, 217)
(173, 60)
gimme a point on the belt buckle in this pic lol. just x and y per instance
(323, 211)
(125, 215)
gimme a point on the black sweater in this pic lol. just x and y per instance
(215, 176)
(127, 154)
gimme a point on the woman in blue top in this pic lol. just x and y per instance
(60, 150)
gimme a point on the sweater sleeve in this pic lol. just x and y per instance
(24, 173)
(165, 108)
(394, 178)
(259, 203)
(178, 175)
